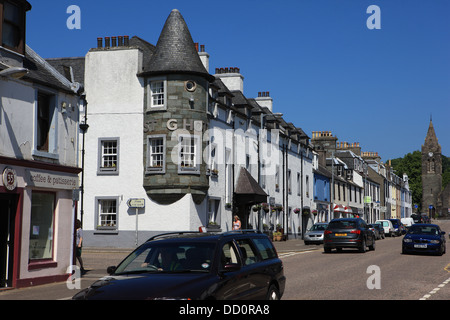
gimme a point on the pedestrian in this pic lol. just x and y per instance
(79, 244)
(236, 223)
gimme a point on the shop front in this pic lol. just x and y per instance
(37, 215)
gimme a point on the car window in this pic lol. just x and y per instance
(169, 257)
(229, 254)
(318, 227)
(424, 230)
(248, 253)
(342, 224)
(265, 248)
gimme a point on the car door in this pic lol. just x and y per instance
(258, 278)
(233, 284)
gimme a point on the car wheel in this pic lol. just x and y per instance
(372, 247)
(363, 246)
(273, 293)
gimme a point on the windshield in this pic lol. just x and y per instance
(169, 257)
(318, 227)
(424, 230)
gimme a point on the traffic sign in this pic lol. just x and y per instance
(136, 203)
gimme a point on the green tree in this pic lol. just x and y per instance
(411, 164)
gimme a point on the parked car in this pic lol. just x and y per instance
(417, 218)
(387, 226)
(399, 228)
(193, 265)
(348, 233)
(315, 234)
(380, 230)
(407, 222)
(424, 238)
(376, 230)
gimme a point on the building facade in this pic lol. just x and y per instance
(190, 145)
(39, 110)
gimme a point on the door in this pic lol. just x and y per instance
(8, 206)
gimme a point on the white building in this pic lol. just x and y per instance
(162, 129)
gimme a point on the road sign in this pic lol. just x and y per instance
(136, 203)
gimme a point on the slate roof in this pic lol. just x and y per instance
(175, 51)
(40, 71)
(71, 68)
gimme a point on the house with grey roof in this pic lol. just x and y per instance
(187, 142)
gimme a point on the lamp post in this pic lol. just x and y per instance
(84, 128)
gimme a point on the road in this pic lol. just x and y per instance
(391, 275)
(312, 275)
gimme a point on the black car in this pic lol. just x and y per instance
(348, 233)
(197, 266)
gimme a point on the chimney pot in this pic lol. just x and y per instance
(126, 41)
(99, 42)
(107, 42)
(113, 41)
(202, 48)
(120, 43)
(196, 46)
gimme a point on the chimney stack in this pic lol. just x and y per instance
(231, 77)
(264, 100)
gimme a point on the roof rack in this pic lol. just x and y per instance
(242, 231)
(163, 235)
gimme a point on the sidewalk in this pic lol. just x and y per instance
(96, 260)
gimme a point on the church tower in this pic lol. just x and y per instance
(431, 171)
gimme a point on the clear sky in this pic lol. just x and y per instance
(324, 68)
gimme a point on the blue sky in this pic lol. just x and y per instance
(323, 67)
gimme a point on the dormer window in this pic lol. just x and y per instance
(12, 17)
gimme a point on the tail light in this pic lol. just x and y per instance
(356, 231)
(327, 232)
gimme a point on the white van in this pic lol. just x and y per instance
(387, 226)
(407, 222)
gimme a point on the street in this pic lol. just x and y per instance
(311, 274)
(334, 276)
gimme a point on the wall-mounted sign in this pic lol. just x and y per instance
(48, 180)
(9, 178)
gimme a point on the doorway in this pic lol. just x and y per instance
(8, 207)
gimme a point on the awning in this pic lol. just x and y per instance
(248, 190)
(338, 208)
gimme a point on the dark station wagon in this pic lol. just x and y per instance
(195, 266)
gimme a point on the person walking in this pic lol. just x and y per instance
(79, 244)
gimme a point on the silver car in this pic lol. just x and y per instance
(315, 234)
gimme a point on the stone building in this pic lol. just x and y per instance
(435, 198)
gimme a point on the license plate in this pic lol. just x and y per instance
(340, 234)
(420, 246)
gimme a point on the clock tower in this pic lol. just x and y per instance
(431, 172)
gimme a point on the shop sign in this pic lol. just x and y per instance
(9, 178)
(48, 180)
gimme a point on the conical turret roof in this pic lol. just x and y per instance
(175, 51)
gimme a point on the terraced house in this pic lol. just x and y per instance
(188, 144)
(39, 110)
